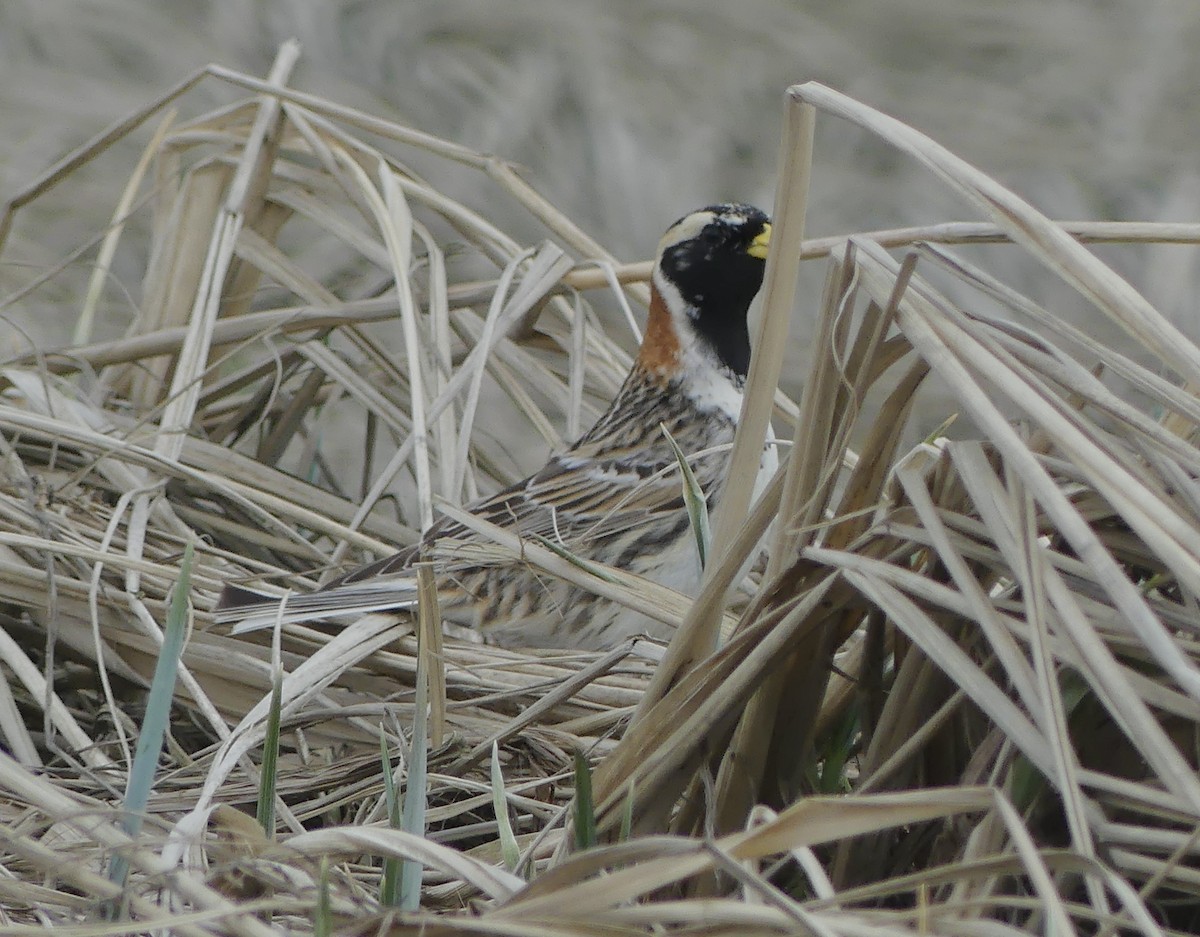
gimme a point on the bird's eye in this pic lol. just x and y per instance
(712, 235)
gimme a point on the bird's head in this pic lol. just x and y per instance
(709, 268)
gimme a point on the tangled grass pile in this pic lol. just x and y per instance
(963, 697)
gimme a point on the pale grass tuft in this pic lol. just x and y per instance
(962, 697)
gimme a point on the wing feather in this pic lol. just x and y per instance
(612, 486)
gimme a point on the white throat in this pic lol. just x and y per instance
(706, 379)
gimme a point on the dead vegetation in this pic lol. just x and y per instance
(964, 699)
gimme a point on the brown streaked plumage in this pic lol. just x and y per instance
(615, 496)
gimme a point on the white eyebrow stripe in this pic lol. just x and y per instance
(686, 228)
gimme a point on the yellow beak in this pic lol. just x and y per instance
(758, 247)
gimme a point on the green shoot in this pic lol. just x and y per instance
(693, 497)
(158, 711)
(508, 840)
(413, 813)
(585, 810)
(268, 780)
(323, 913)
(389, 888)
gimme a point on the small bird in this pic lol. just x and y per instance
(615, 496)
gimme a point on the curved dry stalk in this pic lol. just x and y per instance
(965, 677)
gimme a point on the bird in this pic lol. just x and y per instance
(615, 496)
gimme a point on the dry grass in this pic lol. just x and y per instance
(963, 701)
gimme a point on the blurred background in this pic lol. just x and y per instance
(628, 113)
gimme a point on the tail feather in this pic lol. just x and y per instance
(248, 610)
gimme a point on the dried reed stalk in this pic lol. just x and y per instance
(963, 698)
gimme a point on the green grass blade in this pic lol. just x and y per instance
(268, 780)
(626, 816)
(413, 814)
(158, 711)
(585, 808)
(570, 557)
(508, 840)
(389, 886)
(941, 431)
(693, 497)
(323, 913)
